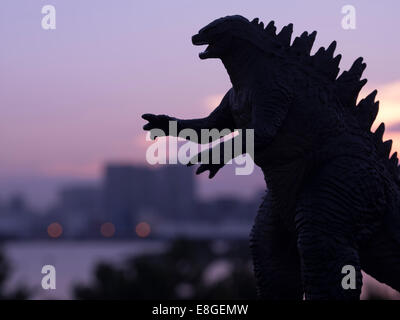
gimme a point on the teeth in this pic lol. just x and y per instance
(203, 54)
(201, 43)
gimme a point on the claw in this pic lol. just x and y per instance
(147, 116)
(154, 136)
(147, 126)
(194, 160)
(201, 169)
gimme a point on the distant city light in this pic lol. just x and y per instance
(54, 230)
(107, 229)
(143, 229)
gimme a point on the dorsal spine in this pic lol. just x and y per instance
(347, 86)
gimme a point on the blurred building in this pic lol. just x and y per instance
(80, 198)
(163, 198)
(175, 193)
(126, 189)
(132, 191)
(79, 206)
(16, 218)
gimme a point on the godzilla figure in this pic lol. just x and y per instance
(333, 195)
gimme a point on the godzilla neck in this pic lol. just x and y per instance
(241, 67)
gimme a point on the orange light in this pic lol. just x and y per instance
(143, 229)
(107, 229)
(54, 230)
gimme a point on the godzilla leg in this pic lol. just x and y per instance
(381, 259)
(326, 243)
(323, 257)
(275, 258)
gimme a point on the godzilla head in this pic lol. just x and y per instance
(219, 35)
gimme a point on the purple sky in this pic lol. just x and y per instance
(71, 98)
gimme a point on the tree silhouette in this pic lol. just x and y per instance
(178, 273)
(5, 271)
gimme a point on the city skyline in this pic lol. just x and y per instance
(129, 201)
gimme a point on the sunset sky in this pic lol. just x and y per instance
(71, 98)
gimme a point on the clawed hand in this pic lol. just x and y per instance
(213, 168)
(156, 122)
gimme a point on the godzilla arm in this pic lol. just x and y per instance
(219, 154)
(219, 119)
(269, 109)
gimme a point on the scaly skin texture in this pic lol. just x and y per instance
(333, 193)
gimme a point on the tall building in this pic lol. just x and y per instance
(79, 206)
(16, 218)
(130, 191)
(176, 192)
(80, 198)
(126, 190)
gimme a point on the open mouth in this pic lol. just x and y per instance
(198, 40)
(205, 54)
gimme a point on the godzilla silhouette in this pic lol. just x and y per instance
(333, 194)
